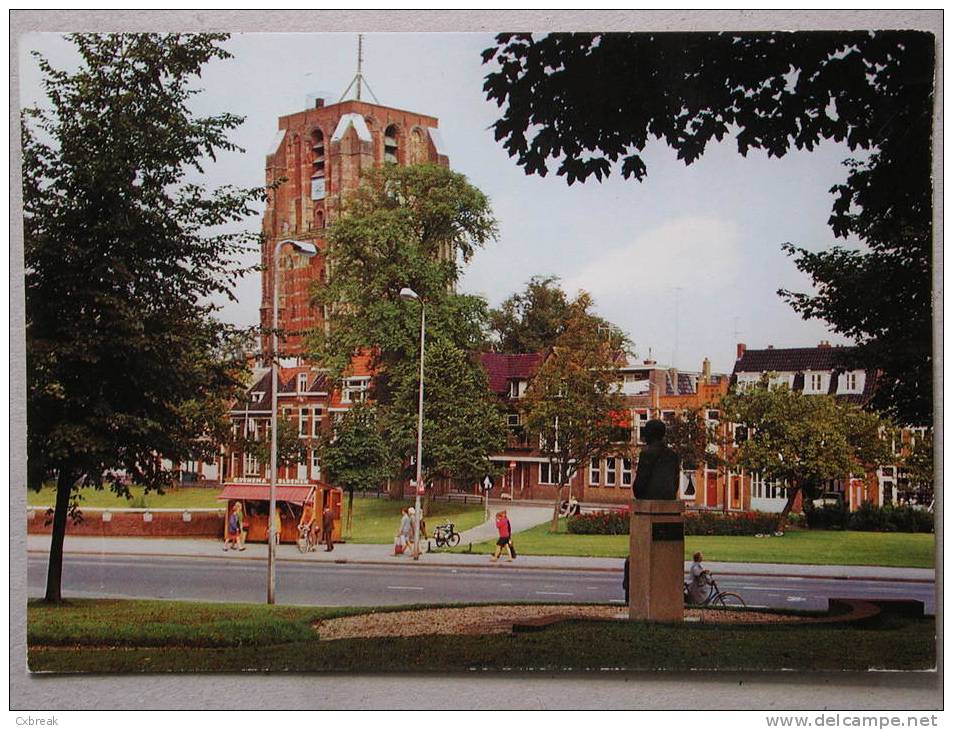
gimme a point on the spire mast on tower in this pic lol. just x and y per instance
(359, 79)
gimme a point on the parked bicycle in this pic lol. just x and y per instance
(446, 535)
(716, 597)
(569, 507)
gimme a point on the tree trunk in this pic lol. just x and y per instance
(554, 525)
(783, 517)
(395, 489)
(54, 576)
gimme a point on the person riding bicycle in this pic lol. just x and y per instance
(699, 584)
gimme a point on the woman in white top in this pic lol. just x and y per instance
(699, 585)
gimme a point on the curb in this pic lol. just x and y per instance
(472, 566)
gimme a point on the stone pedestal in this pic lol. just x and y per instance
(656, 560)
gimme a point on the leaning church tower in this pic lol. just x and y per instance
(322, 152)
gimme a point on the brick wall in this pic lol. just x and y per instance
(134, 523)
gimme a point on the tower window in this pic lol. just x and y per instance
(318, 189)
(390, 144)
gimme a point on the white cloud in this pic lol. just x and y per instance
(688, 252)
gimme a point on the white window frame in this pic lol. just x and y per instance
(302, 423)
(302, 382)
(611, 472)
(354, 387)
(317, 413)
(595, 473)
(550, 468)
(626, 472)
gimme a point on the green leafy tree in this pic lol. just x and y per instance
(694, 440)
(590, 103)
(410, 227)
(123, 251)
(531, 320)
(463, 422)
(917, 466)
(804, 440)
(573, 401)
(291, 448)
(354, 453)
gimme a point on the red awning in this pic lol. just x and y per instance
(294, 493)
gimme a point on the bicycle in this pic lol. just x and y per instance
(716, 597)
(446, 535)
(307, 539)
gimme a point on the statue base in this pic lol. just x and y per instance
(656, 560)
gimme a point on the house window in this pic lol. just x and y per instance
(513, 420)
(252, 429)
(390, 144)
(668, 417)
(641, 418)
(315, 464)
(303, 423)
(302, 382)
(548, 473)
(610, 471)
(851, 381)
(251, 465)
(594, 472)
(354, 391)
(816, 382)
(712, 415)
(626, 472)
(257, 396)
(517, 388)
(316, 414)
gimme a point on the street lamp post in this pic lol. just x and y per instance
(307, 249)
(408, 294)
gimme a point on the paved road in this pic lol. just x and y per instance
(331, 584)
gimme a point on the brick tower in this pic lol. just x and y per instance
(322, 153)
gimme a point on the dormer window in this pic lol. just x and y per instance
(302, 382)
(354, 390)
(257, 396)
(517, 388)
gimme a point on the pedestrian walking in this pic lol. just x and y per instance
(505, 539)
(242, 526)
(232, 529)
(403, 532)
(327, 529)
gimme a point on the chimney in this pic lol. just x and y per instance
(825, 345)
(741, 350)
(706, 369)
(313, 101)
(770, 347)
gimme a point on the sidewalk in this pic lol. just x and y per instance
(521, 516)
(381, 554)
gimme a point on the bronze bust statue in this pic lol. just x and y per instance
(656, 476)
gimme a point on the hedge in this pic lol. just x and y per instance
(616, 522)
(870, 518)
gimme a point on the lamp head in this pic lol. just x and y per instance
(408, 294)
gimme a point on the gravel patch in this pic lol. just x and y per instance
(482, 620)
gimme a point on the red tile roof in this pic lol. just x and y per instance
(501, 368)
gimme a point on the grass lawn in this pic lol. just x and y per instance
(820, 547)
(376, 520)
(160, 636)
(178, 497)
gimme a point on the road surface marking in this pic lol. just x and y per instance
(506, 585)
(593, 588)
(405, 588)
(552, 593)
(793, 599)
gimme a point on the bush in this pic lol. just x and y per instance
(605, 522)
(730, 523)
(871, 518)
(828, 517)
(616, 522)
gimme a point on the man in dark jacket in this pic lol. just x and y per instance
(657, 474)
(327, 529)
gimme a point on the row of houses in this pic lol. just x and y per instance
(310, 401)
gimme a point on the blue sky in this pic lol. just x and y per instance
(704, 240)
